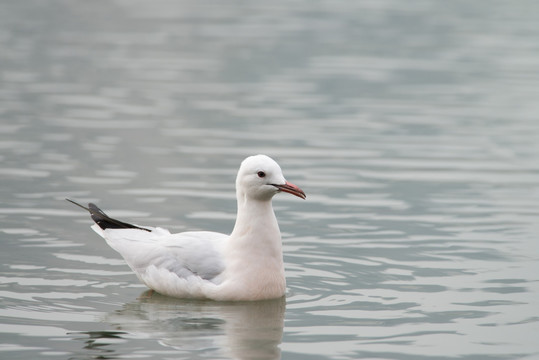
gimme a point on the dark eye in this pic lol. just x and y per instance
(261, 174)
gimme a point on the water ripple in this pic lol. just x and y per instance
(412, 127)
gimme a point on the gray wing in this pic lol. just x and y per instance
(200, 259)
(184, 254)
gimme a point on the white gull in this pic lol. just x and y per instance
(245, 265)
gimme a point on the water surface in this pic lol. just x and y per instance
(412, 127)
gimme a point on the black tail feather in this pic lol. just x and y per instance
(103, 220)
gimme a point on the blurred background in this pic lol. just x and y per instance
(412, 127)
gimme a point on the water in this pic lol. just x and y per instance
(412, 127)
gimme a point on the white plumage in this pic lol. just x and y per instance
(245, 265)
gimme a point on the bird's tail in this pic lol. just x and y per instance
(103, 220)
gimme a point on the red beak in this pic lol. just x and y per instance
(291, 189)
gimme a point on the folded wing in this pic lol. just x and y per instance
(188, 254)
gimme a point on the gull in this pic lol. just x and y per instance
(243, 266)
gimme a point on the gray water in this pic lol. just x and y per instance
(413, 127)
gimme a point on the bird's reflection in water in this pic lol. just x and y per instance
(241, 330)
(97, 344)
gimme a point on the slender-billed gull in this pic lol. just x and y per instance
(245, 265)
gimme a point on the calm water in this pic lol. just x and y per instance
(412, 126)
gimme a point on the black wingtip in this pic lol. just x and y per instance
(79, 205)
(103, 220)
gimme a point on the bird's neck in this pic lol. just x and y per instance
(256, 218)
(256, 227)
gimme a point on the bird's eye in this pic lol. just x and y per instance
(261, 174)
